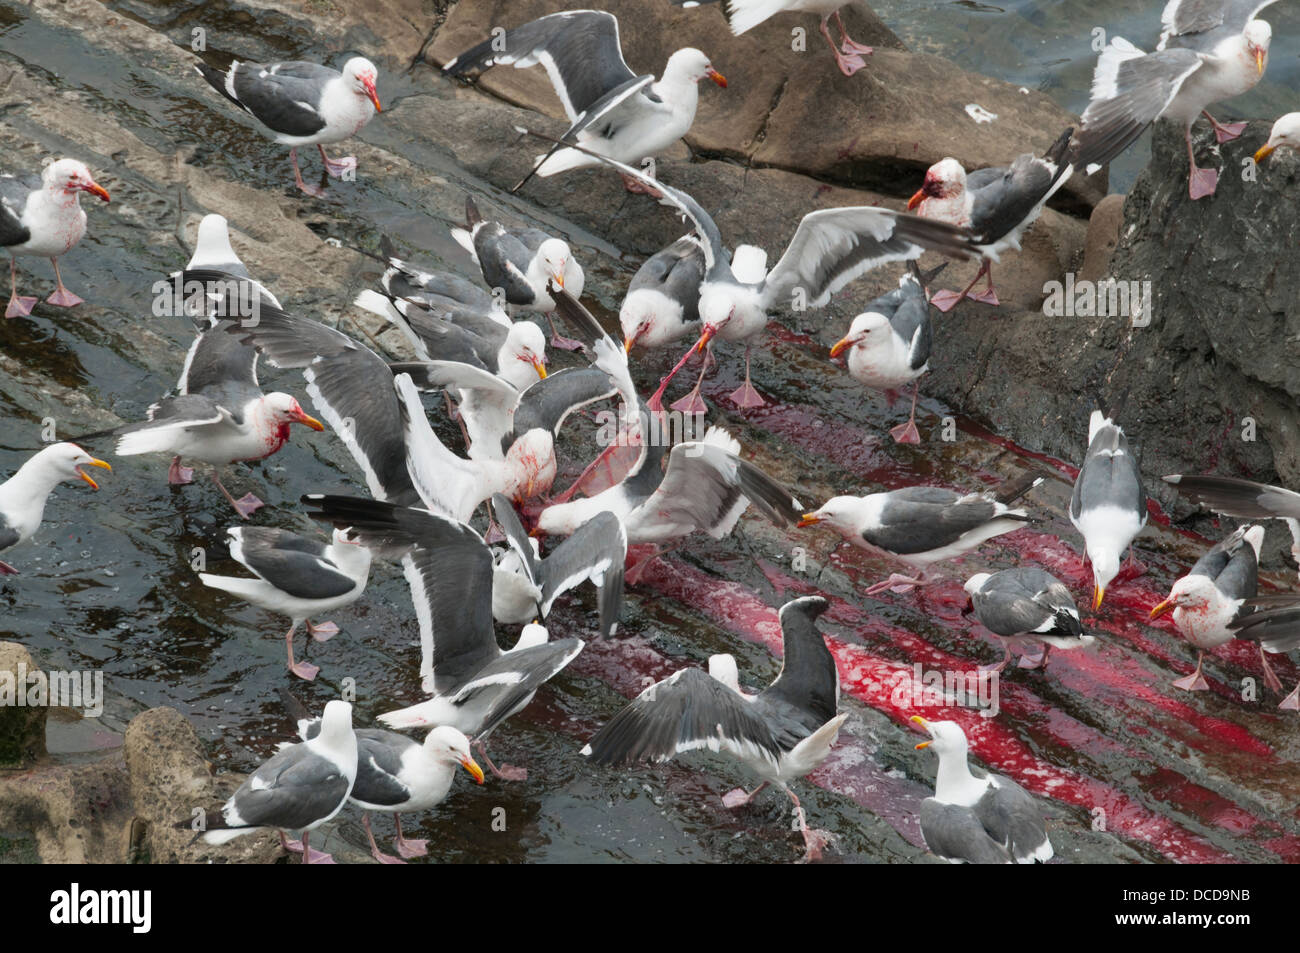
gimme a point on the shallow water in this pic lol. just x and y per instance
(108, 583)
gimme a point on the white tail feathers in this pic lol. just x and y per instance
(743, 15)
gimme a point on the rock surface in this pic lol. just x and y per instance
(22, 728)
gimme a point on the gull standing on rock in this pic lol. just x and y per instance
(43, 217)
(1109, 503)
(23, 495)
(1026, 605)
(303, 104)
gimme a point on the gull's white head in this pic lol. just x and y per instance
(533, 634)
(868, 330)
(840, 512)
(1259, 36)
(1105, 567)
(946, 737)
(690, 65)
(63, 461)
(650, 318)
(361, 73)
(285, 409)
(70, 177)
(976, 582)
(525, 345)
(530, 463)
(945, 181)
(449, 745)
(1285, 135)
(1192, 593)
(722, 668)
(336, 721)
(557, 264)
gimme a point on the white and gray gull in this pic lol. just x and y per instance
(23, 495)
(1109, 504)
(744, 15)
(780, 734)
(1026, 606)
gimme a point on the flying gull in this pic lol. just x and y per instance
(1243, 499)
(23, 495)
(780, 734)
(300, 788)
(997, 205)
(889, 346)
(1109, 504)
(397, 774)
(1026, 605)
(303, 104)
(1210, 50)
(1275, 625)
(297, 577)
(1212, 595)
(474, 686)
(611, 110)
(977, 817)
(43, 216)
(921, 525)
(744, 15)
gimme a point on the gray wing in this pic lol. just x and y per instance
(805, 694)
(685, 712)
(1002, 205)
(677, 272)
(595, 552)
(579, 49)
(221, 366)
(430, 287)
(504, 260)
(1019, 601)
(1276, 625)
(1231, 563)
(921, 519)
(292, 563)
(517, 537)
(294, 789)
(1012, 818)
(1233, 496)
(954, 832)
(547, 403)
(510, 679)
(284, 97)
(14, 190)
(911, 322)
(834, 246)
(379, 764)
(187, 410)
(463, 336)
(1109, 474)
(450, 573)
(1200, 24)
(1130, 90)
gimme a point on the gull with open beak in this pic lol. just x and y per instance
(23, 495)
(43, 217)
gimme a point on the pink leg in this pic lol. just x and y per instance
(323, 632)
(62, 296)
(304, 670)
(6, 569)
(740, 797)
(907, 433)
(999, 666)
(897, 583)
(848, 63)
(637, 187)
(309, 856)
(19, 307)
(558, 340)
(1131, 569)
(848, 45)
(1036, 661)
(745, 396)
(693, 403)
(945, 301)
(814, 841)
(1292, 701)
(989, 295)
(633, 575)
(179, 475)
(656, 401)
(1200, 182)
(409, 848)
(506, 772)
(375, 852)
(297, 177)
(337, 167)
(1270, 676)
(245, 506)
(1225, 132)
(1196, 681)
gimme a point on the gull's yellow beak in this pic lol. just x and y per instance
(1264, 152)
(1098, 593)
(1259, 61)
(809, 519)
(705, 338)
(922, 722)
(539, 367)
(372, 93)
(470, 765)
(1161, 609)
(717, 77)
(840, 345)
(93, 463)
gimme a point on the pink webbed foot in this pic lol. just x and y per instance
(247, 505)
(692, 403)
(63, 298)
(562, 343)
(323, 632)
(411, 848)
(507, 772)
(815, 843)
(739, 797)
(1192, 683)
(1270, 676)
(312, 190)
(1202, 182)
(1032, 661)
(179, 475)
(20, 306)
(987, 296)
(305, 670)
(1227, 131)
(895, 583)
(1292, 701)
(745, 397)
(946, 300)
(637, 187)
(849, 46)
(313, 856)
(6, 569)
(849, 64)
(906, 433)
(337, 168)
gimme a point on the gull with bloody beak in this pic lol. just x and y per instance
(889, 346)
(1109, 504)
(1210, 50)
(518, 264)
(1213, 595)
(612, 111)
(43, 217)
(997, 205)
(976, 817)
(23, 495)
(303, 104)
(1285, 134)
(662, 304)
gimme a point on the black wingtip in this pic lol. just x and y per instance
(293, 705)
(1017, 486)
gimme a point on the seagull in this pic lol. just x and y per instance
(518, 264)
(1026, 605)
(829, 249)
(1109, 504)
(213, 252)
(303, 104)
(297, 577)
(1243, 499)
(1275, 625)
(1210, 50)
(662, 303)
(920, 525)
(889, 346)
(976, 817)
(300, 788)
(611, 110)
(44, 217)
(780, 734)
(474, 686)
(525, 586)
(1285, 134)
(396, 774)
(997, 205)
(744, 15)
(23, 495)
(1213, 595)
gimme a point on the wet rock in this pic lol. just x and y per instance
(22, 727)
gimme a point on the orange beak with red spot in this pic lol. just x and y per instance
(369, 84)
(717, 77)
